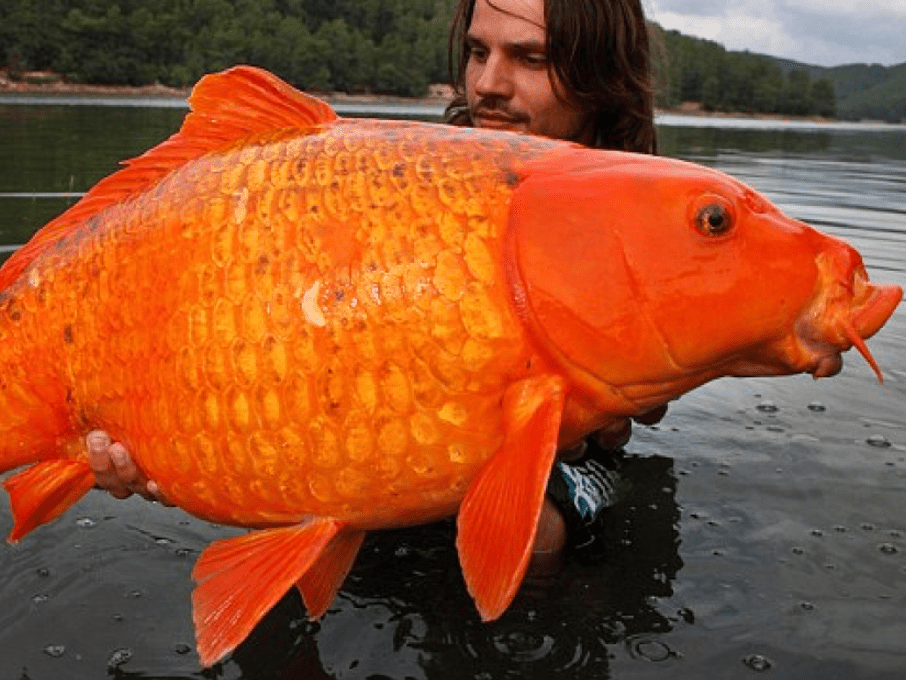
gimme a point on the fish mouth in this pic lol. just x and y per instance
(853, 310)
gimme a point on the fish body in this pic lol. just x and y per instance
(318, 327)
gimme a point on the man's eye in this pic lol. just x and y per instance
(477, 53)
(535, 60)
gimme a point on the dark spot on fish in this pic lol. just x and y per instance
(339, 295)
(262, 265)
(399, 170)
(67, 334)
(511, 178)
(15, 315)
(313, 209)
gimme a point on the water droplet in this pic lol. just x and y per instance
(758, 663)
(118, 618)
(888, 549)
(767, 406)
(807, 606)
(85, 523)
(817, 407)
(182, 648)
(650, 650)
(878, 440)
(817, 533)
(43, 572)
(39, 598)
(867, 526)
(840, 529)
(524, 645)
(163, 541)
(182, 552)
(135, 593)
(118, 657)
(687, 615)
(56, 651)
(798, 550)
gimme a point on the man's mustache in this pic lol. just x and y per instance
(497, 108)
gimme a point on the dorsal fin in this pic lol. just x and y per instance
(225, 107)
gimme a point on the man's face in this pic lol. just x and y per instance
(508, 85)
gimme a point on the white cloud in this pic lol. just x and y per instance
(825, 32)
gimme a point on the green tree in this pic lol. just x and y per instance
(824, 98)
(794, 99)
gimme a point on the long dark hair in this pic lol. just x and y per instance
(599, 50)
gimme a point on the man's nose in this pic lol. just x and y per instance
(494, 79)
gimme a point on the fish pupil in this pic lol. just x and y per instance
(714, 219)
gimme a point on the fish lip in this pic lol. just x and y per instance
(874, 305)
(851, 311)
(827, 365)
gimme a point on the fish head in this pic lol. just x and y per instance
(648, 276)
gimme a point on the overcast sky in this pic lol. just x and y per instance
(823, 32)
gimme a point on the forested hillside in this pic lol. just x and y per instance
(863, 91)
(695, 70)
(385, 47)
(389, 46)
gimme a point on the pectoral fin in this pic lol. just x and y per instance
(499, 516)
(240, 579)
(44, 491)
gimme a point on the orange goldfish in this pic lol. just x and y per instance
(317, 327)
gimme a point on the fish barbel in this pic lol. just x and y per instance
(317, 327)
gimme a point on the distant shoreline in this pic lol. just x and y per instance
(52, 85)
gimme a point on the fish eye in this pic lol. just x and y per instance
(714, 219)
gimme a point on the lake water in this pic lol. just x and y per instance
(763, 532)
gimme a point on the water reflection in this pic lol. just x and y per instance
(390, 622)
(777, 536)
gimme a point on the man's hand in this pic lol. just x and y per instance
(116, 472)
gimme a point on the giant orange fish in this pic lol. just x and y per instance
(318, 327)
